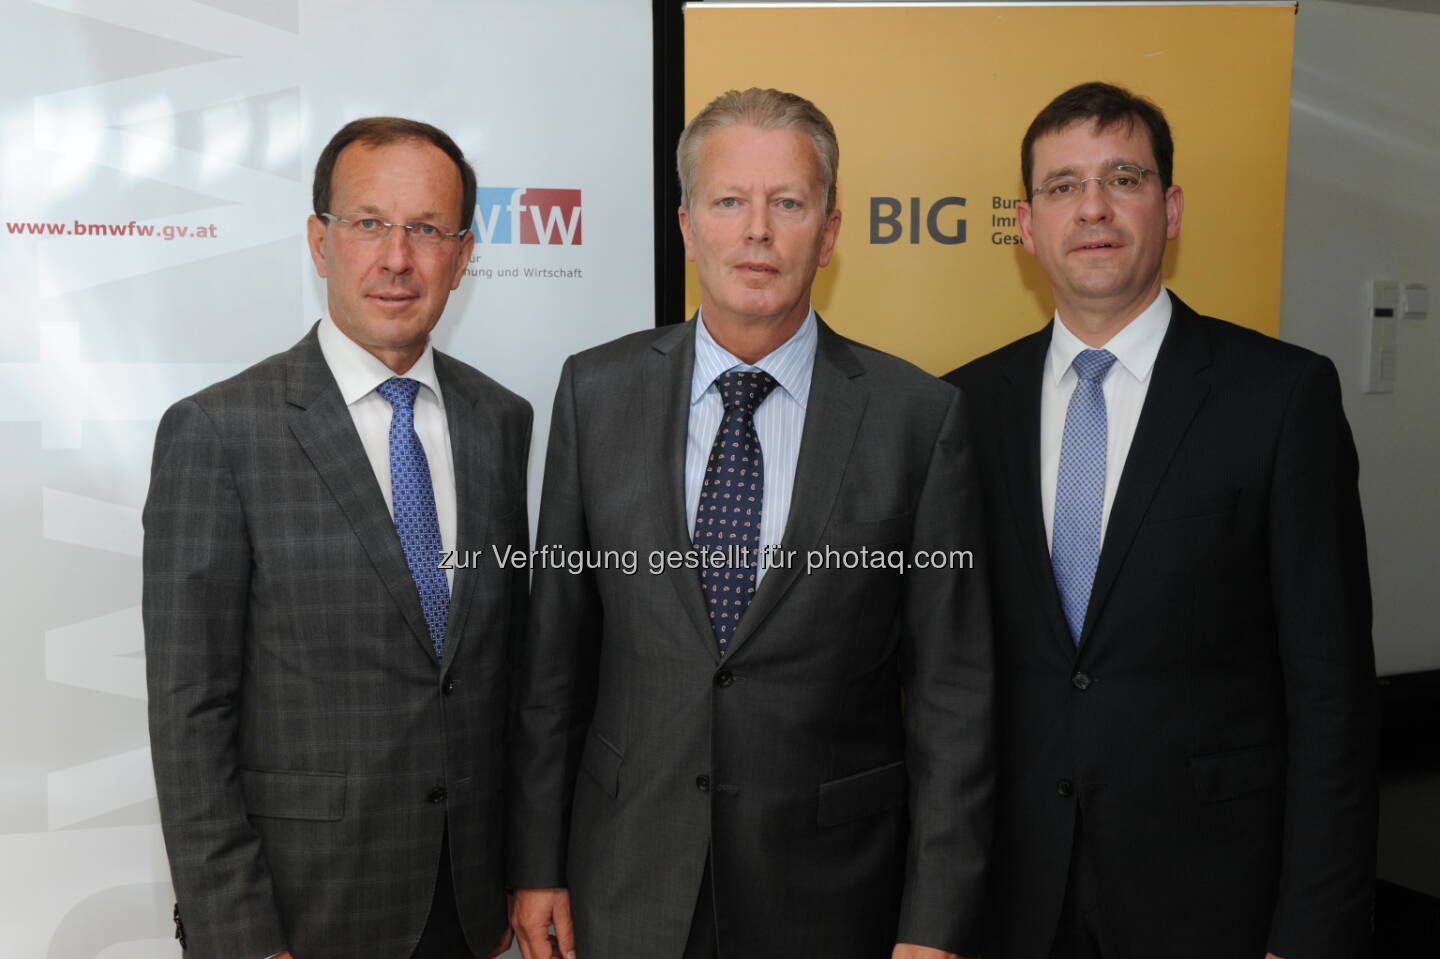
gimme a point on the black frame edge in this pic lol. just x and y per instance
(667, 51)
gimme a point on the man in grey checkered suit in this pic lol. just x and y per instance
(327, 701)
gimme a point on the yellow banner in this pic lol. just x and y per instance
(930, 104)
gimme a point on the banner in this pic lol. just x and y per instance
(930, 102)
(155, 167)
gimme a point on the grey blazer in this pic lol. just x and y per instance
(309, 750)
(836, 766)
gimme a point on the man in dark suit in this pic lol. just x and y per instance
(1187, 718)
(804, 772)
(328, 700)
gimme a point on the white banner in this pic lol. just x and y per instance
(155, 166)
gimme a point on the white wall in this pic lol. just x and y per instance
(1364, 203)
(210, 113)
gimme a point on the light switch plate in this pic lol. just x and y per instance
(1416, 302)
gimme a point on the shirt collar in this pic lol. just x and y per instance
(792, 363)
(1135, 346)
(357, 371)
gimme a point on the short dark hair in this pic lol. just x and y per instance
(378, 131)
(1107, 105)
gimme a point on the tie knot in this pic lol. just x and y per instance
(1092, 365)
(400, 392)
(744, 389)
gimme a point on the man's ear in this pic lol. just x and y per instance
(315, 229)
(1174, 207)
(684, 216)
(828, 237)
(467, 246)
(1022, 219)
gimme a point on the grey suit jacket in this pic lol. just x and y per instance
(836, 766)
(309, 750)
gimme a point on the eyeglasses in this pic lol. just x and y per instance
(374, 228)
(1123, 181)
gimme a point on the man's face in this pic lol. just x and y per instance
(387, 294)
(756, 227)
(1102, 252)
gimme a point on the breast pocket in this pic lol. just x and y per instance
(1180, 509)
(890, 531)
(509, 523)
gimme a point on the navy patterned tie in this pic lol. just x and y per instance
(730, 499)
(415, 517)
(1080, 489)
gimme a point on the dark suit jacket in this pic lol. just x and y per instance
(1217, 728)
(836, 820)
(308, 748)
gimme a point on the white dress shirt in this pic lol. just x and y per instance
(357, 372)
(1135, 348)
(779, 421)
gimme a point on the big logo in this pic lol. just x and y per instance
(506, 214)
(886, 225)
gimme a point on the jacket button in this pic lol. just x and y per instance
(436, 795)
(702, 783)
(724, 678)
(1065, 788)
(1080, 681)
(449, 685)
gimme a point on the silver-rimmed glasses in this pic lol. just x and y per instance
(1124, 180)
(374, 228)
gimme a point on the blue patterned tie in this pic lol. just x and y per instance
(1080, 489)
(415, 518)
(731, 496)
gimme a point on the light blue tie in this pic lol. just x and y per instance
(1080, 489)
(415, 517)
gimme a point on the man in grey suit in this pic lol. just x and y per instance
(725, 754)
(327, 700)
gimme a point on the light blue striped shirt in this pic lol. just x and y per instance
(779, 422)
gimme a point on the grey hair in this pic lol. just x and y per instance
(766, 109)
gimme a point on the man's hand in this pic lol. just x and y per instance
(532, 913)
(285, 955)
(1271, 955)
(904, 950)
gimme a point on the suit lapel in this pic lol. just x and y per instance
(472, 426)
(666, 424)
(1179, 384)
(1021, 452)
(832, 418)
(322, 425)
